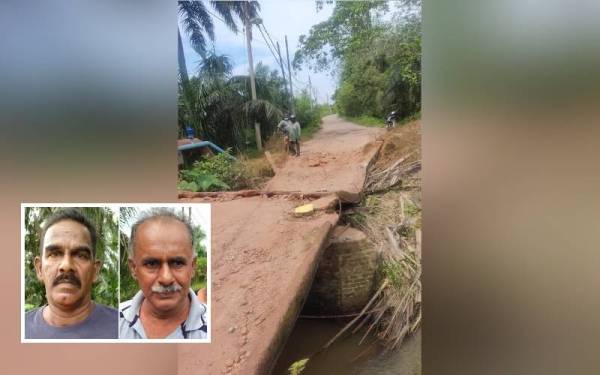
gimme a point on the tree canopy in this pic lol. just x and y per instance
(374, 48)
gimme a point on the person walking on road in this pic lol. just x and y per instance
(294, 133)
(283, 128)
(283, 125)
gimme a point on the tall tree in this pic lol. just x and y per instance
(198, 24)
(377, 58)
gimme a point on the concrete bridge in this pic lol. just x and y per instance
(264, 258)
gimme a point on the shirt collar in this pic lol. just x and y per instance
(195, 318)
(194, 321)
(132, 312)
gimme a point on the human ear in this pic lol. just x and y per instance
(37, 263)
(97, 268)
(132, 267)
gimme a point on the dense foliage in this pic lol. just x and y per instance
(219, 108)
(217, 173)
(218, 105)
(105, 289)
(198, 24)
(307, 113)
(376, 56)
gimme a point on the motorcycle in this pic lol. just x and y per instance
(390, 123)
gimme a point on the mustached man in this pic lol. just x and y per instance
(67, 266)
(162, 260)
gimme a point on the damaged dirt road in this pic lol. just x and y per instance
(264, 257)
(334, 160)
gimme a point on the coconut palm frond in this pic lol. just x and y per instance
(196, 21)
(224, 9)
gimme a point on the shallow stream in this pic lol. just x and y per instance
(345, 356)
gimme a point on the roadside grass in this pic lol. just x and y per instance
(252, 170)
(390, 215)
(310, 131)
(376, 122)
(406, 120)
(365, 120)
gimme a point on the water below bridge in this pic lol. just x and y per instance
(345, 356)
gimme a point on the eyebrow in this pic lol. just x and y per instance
(78, 249)
(52, 248)
(173, 259)
(82, 249)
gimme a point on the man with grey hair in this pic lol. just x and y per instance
(162, 260)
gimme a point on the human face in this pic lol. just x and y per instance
(67, 266)
(163, 264)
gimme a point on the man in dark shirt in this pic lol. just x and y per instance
(68, 267)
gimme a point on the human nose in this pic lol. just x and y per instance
(165, 276)
(66, 263)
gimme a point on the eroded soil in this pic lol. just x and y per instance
(264, 258)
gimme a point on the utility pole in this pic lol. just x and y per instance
(289, 73)
(283, 75)
(251, 71)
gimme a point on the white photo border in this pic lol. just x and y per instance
(117, 206)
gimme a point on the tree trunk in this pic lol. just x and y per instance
(181, 57)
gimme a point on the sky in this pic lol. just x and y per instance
(284, 17)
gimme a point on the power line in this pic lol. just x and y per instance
(268, 45)
(214, 15)
(269, 35)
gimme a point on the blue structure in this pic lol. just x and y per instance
(200, 144)
(189, 132)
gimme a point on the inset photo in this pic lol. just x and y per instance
(164, 272)
(70, 272)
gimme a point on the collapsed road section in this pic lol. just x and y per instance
(265, 253)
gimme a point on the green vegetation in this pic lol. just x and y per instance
(377, 58)
(217, 173)
(370, 121)
(105, 289)
(198, 24)
(219, 108)
(218, 105)
(367, 120)
(221, 173)
(297, 367)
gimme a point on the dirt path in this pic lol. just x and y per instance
(264, 258)
(335, 159)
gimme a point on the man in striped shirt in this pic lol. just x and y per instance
(162, 260)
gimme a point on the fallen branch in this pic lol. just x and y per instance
(382, 287)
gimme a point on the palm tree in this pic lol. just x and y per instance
(219, 107)
(199, 26)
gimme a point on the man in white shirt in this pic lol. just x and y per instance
(163, 261)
